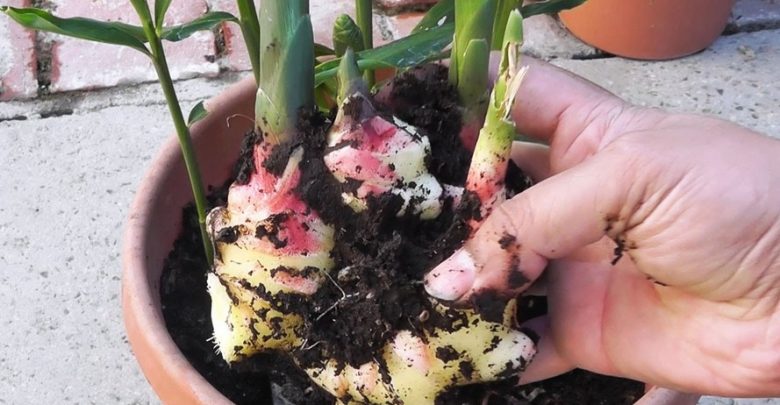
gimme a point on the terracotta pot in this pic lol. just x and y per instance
(649, 29)
(154, 223)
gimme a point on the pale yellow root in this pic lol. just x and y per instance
(250, 273)
(413, 374)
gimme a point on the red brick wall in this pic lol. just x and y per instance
(69, 64)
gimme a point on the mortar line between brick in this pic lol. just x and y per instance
(43, 61)
(43, 51)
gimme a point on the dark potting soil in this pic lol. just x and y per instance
(382, 258)
(432, 106)
(575, 387)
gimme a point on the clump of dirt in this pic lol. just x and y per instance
(431, 104)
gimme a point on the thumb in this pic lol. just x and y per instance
(550, 220)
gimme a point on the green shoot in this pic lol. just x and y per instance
(349, 77)
(250, 28)
(182, 129)
(286, 82)
(499, 22)
(494, 145)
(346, 35)
(365, 20)
(470, 59)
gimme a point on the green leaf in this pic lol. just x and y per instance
(160, 8)
(474, 77)
(406, 52)
(499, 23)
(83, 28)
(440, 14)
(142, 9)
(206, 22)
(349, 78)
(196, 114)
(549, 7)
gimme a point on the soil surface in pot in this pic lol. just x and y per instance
(383, 258)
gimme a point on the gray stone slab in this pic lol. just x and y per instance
(736, 79)
(546, 38)
(754, 15)
(66, 186)
(85, 101)
(738, 401)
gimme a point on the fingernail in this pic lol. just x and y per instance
(452, 278)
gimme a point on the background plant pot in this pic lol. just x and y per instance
(154, 224)
(649, 29)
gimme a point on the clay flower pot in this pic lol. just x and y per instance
(649, 29)
(154, 224)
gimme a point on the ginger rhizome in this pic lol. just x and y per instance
(289, 266)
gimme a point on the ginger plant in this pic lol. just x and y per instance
(267, 240)
(275, 251)
(419, 366)
(491, 154)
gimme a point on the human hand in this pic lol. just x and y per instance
(694, 206)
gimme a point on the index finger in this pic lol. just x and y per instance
(565, 111)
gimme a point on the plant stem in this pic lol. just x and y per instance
(503, 10)
(469, 68)
(182, 131)
(286, 82)
(250, 28)
(349, 77)
(365, 20)
(489, 163)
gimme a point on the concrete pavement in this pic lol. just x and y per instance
(70, 164)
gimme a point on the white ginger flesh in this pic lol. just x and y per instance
(271, 245)
(417, 369)
(267, 242)
(378, 155)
